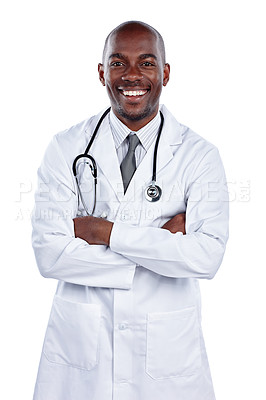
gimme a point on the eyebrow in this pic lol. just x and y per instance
(117, 55)
(141, 57)
(148, 55)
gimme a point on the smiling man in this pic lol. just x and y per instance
(134, 223)
(133, 72)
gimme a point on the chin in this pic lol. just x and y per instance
(135, 115)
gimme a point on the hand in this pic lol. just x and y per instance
(93, 230)
(176, 224)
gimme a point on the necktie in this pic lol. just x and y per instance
(128, 165)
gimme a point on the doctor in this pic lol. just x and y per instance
(125, 322)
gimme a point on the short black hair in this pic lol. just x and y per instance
(136, 23)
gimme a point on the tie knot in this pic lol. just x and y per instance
(133, 142)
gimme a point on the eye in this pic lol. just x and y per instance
(116, 64)
(147, 64)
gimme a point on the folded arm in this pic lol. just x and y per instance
(198, 253)
(97, 231)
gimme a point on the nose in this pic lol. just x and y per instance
(132, 74)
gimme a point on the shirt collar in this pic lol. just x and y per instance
(146, 134)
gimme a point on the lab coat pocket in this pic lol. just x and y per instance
(73, 334)
(173, 345)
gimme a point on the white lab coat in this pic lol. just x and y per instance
(125, 321)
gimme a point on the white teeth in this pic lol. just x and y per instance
(134, 92)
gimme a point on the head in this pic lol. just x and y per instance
(134, 70)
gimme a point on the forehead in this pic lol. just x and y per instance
(133, 41)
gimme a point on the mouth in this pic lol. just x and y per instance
(138, 93)
(134, 93)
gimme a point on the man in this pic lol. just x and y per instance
(125, 321)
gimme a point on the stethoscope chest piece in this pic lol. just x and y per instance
(153, 193)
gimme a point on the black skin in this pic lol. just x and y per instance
(133, 60)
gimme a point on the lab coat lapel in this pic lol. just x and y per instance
(104, 152)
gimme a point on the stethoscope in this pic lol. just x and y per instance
(152, 193)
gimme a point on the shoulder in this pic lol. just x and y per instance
(74, 134)
(188, 140)
(193, 152)
(72, 141)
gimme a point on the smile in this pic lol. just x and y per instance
(134, 93)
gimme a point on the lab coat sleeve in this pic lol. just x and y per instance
(58, 253)
(199, 253)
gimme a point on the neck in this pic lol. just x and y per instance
(135, 123)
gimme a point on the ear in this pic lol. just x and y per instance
(166, 74)
(101, 73)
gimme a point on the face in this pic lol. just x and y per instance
(133, 73)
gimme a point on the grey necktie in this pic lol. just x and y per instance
(128, 165)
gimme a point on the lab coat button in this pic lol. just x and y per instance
(122, 327)
(124, 216)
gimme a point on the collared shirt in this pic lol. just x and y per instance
(146, 135)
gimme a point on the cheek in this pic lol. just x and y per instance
(108, 84)
(157, 81)
(112, 93)
(111, 83)
(158, 88)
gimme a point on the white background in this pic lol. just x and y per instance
(49, 56)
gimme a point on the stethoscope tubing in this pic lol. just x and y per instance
(154, 168)
(150, 189)
(96, 130)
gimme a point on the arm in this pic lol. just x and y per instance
(176, 224)
(97, 231)
(199, 253)
(58, 253)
